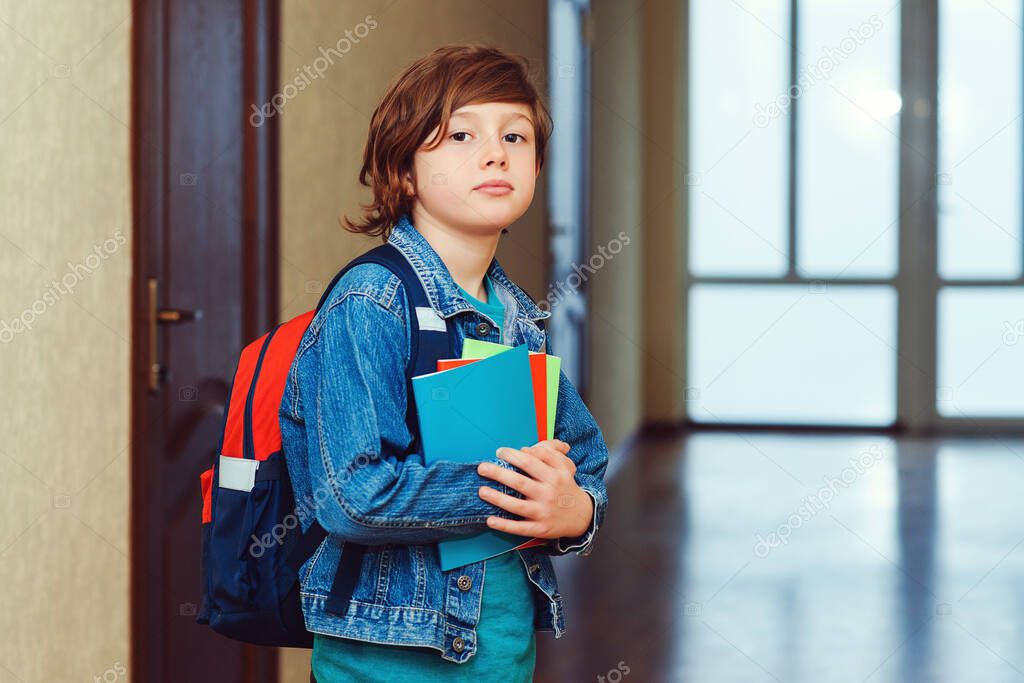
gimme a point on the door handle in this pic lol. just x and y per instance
(162, 316)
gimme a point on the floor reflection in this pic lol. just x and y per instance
(800, 557)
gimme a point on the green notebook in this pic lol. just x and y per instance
(476, 348)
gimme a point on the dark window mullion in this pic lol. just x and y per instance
(917, 275)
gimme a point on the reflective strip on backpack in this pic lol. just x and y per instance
(238, 473)
(429, 319)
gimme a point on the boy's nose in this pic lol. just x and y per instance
(494, 154)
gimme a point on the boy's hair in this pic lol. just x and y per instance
(423, 97)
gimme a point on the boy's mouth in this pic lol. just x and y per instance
(495, 187)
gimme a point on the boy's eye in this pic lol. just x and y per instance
(460, 136)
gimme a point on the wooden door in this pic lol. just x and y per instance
(204, 284)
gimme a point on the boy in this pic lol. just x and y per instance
(452, 157)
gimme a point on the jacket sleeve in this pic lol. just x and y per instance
(576, 426)
(353, 403)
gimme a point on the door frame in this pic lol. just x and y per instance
(255, 180)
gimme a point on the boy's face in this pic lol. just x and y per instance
(485, 143)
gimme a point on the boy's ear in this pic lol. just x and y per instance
(409, 185)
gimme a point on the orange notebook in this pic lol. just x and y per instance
(538, 373)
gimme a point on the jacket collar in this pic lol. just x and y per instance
(437, 280)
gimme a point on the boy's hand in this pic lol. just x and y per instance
(554, 504)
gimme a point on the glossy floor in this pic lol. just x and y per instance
(794, 557)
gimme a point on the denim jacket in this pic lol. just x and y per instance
(347, 447)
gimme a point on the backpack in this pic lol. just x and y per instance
(253, 544)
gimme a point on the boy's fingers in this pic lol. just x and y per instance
(529, 529)
(557, 444)
(520, 482)
(535, 466)
(545, 455)
(517, 506)
(551, 456)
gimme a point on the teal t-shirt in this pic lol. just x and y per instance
(492, 308)
(507, 644)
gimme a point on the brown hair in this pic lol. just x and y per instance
(423, 97)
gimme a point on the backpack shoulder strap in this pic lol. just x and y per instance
(429, 340)
(430, 337)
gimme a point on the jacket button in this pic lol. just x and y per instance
(458, 644)
(465, 583)
(483, 328)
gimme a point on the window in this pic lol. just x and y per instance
(794, 194)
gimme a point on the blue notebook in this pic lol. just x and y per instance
(465, 415)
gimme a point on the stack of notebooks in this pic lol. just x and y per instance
(494, 396)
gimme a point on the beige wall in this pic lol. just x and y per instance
(637, 308)
(665, 164)
(324, 126)
(616, 306)
(64, 173)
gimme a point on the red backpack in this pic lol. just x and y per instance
(252, 532)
